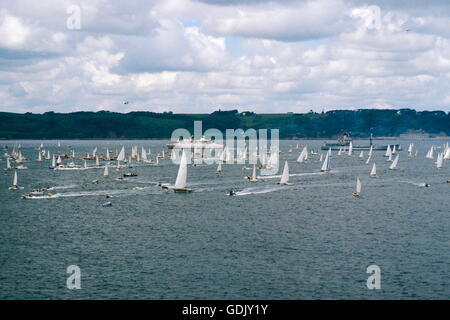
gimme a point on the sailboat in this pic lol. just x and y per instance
(14, 184)
(361, 156)
(121, 157)
(410, 148)
(373, 172)
(350, 148)
(106, 172)
(394, 163)
(357, 192)
(8, 164)
(253, 178)
(447, 153)
(389, 157)
(368, 159)
(303, 155)
(370, 151)
(219, 169)
(430, 153)
(440, 160)
(53, 162)
(285, 176)
(388, 151)
(181, 182)
(97, 162)
(326, 164)
(39, 159)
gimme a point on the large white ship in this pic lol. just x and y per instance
(192, 144)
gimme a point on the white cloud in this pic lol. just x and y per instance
(192, 56)
(13, 33)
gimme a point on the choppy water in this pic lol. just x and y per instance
(309, 240)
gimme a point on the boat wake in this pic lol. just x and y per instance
(70, 186)
(295, 175)
(119, 192)
(249, 191)
(418, 184)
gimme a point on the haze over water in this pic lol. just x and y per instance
(309, 240)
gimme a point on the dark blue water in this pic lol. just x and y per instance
(309, 240)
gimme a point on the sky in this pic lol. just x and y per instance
(196, 56)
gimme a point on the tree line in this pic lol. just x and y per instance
(152, 125)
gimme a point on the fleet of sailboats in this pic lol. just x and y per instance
(266, 158)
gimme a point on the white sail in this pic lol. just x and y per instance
(447, 153)
(368, 159)
(350, 148)
(181, 181)
(85, 164)
(219, 168)
(393, 150)
(143, 154)
(106, 172)
(326, 164)
(15, 179)
(8, 164)
(254, 173)
(410, 147)
(370, 151)
(59, 161)
(358, 186)
(340, 152)
(121, 156)
(329, 152)
(373, 173)
(48, 154)
(430, 153)
(303, 155)
(361, 155)
(285, 176)
(440, 160)
(107, 154)
(394, 163)
(388, 151)
(94, 152)
(39, 157)
(53, 161)
(321, 157)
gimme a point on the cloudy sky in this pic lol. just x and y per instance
(198, 55)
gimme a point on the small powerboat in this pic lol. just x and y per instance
(130, 174)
